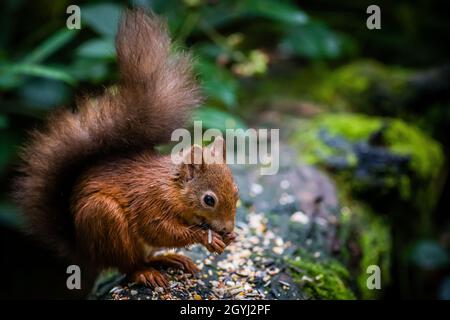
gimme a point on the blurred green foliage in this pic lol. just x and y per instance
(249, 54)
(62, 61)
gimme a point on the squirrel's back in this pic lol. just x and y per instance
(155, 95)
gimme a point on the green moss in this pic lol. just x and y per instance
(371, 234)
(364, 85)
(105, 281)
(374, 239)
(324, 279)
(354, 127)
(426, 154)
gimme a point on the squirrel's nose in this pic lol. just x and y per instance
(228, 228)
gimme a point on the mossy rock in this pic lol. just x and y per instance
(364, 240)
(365, 86)
(294, 213)
(321, 279)
(373, 152)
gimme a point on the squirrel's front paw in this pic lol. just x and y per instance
(213, 243)
(150, 277)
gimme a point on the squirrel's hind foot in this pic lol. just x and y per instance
(173, 260)
(150, 277)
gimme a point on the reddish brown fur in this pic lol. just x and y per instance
(94, 188)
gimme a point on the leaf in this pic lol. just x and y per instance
(276, 10)
(8, 148)
(103, 18)
(226, 12)
(218, 83)
(208, 51)
(44, 93)
(313, 41)
(9, 81)
(3, 121)
(38, 71)
(9, 215)
(50, 46)
(429, 254)
(86, 69)
(98, 48)
(217, 119)
(444, 289)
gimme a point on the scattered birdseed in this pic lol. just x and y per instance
(285, 184)
(321, 221)
(286, 284)
(286, 199)
(236, 291)
(116, 290)
(278, 250)
(209, 236)
(273, 271)
(300, 217)
(256, 189)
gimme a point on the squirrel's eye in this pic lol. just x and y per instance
(209, 200)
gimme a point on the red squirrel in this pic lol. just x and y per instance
(94, 188)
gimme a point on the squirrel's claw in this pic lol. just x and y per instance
(175, 261)
(187, 264)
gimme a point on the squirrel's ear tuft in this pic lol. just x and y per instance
(192, 162)
(216, 151)
(194, 155)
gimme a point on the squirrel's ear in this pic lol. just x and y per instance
(192, 162)
(216, 151)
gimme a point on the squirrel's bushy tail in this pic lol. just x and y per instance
(156, 92)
